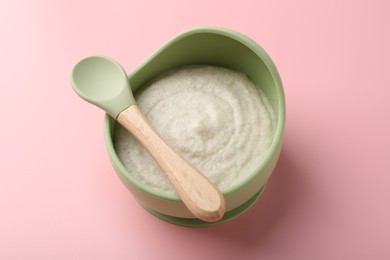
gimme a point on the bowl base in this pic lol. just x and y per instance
(194, 222)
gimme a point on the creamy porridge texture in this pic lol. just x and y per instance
(214, 117)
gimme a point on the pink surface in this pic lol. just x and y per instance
(329, 197)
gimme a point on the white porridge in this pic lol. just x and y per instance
(214, 117)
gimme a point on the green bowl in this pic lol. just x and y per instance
(219, 47)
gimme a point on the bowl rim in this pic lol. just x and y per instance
(280, 125)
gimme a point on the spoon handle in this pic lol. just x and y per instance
(202, 197)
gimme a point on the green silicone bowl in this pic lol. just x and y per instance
(220, 47)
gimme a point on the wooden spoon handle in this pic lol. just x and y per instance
(201, 196)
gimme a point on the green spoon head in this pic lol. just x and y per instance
(103, 82)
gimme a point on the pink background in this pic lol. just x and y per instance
(329, 197)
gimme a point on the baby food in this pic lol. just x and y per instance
(214, 117)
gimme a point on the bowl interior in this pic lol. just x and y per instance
(219, 47)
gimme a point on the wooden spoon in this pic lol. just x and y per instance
(103, 82)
